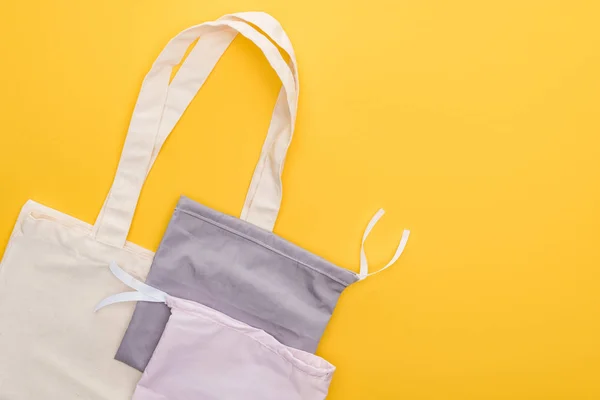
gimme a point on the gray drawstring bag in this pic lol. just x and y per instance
(238, 266)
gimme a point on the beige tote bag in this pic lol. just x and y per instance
(55, 268)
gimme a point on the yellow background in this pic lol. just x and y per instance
(473, 123)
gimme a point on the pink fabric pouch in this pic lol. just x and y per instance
(205, 354)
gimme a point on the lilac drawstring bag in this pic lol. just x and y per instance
(205, 354)
(236, 266)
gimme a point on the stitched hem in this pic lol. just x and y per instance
(251, 239)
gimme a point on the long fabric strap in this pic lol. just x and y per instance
(187, 82)
(202, 60)
(160, 106)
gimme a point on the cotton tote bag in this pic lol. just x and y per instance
(205, 354)
(238, 266)
(55, 267)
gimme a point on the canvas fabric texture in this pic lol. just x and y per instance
(55, 266)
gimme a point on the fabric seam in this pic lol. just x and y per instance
(251, 239)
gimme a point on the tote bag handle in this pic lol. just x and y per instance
(160, 105)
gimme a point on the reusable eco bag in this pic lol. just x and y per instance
(239, 267)
(54, 268)
(205, 354)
